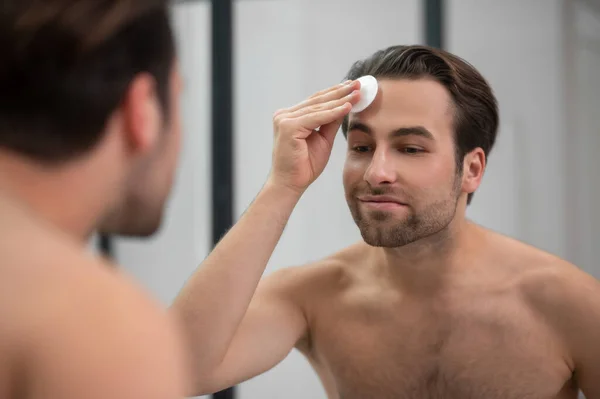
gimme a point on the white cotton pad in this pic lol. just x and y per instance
(368, 92)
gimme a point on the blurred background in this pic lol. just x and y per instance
(244, 59)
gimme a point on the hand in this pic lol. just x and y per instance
(304, 135)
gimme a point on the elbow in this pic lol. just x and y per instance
(207, 384)
(202, 363)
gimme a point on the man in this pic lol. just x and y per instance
(89, 138)
(430, 305)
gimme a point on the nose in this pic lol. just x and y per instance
(380, 170)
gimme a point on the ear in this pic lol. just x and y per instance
(473, 169)
(142, 115)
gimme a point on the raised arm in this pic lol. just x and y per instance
(273, 325)
(216, 298)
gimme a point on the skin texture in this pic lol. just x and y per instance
(428, 305)
(73, 326)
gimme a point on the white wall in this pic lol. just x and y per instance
(583, 142)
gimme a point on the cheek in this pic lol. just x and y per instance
(176, 125)
(177, 135)
(354, 171)
(432, 175)
(170, 148)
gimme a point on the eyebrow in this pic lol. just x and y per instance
(400, 132)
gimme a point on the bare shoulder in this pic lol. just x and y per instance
(563, 295)
(108, 336)
(547, 279)
(327, 275)
(80, 328)
(559, 289)
(567, 300)
(532, 268)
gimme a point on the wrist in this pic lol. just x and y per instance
(278, 201)
(281, 186)
(282, 191)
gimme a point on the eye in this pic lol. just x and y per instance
(411, 150)
(361, 148)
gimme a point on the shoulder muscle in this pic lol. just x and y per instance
(108, 341)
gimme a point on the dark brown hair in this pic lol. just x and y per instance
(67, 64)
(476, 109)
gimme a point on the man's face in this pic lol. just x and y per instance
(147, 188)
(400, 175)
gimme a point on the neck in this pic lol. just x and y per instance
(428, 266)
(65, 196)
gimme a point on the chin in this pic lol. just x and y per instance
(132, 225)
(146, 232)
(383, 230)
(378, 237)
(144, 228)
(384, 243)
(136, 231)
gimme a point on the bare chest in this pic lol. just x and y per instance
(425, 352)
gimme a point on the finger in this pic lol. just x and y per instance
(310, 122)
(333, 94)
(351, 98)
(330, 89)
(330, 130)
(285, 111)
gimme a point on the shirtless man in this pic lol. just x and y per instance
(430, 305)
(89, 138)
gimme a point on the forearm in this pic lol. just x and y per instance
(216, 297)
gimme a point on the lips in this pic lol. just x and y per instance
(380, 199)
(381, 202)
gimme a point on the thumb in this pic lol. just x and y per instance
(330, 131)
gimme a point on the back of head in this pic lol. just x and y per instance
(66, 66)
(476, 111)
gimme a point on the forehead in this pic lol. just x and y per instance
(407, 103)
